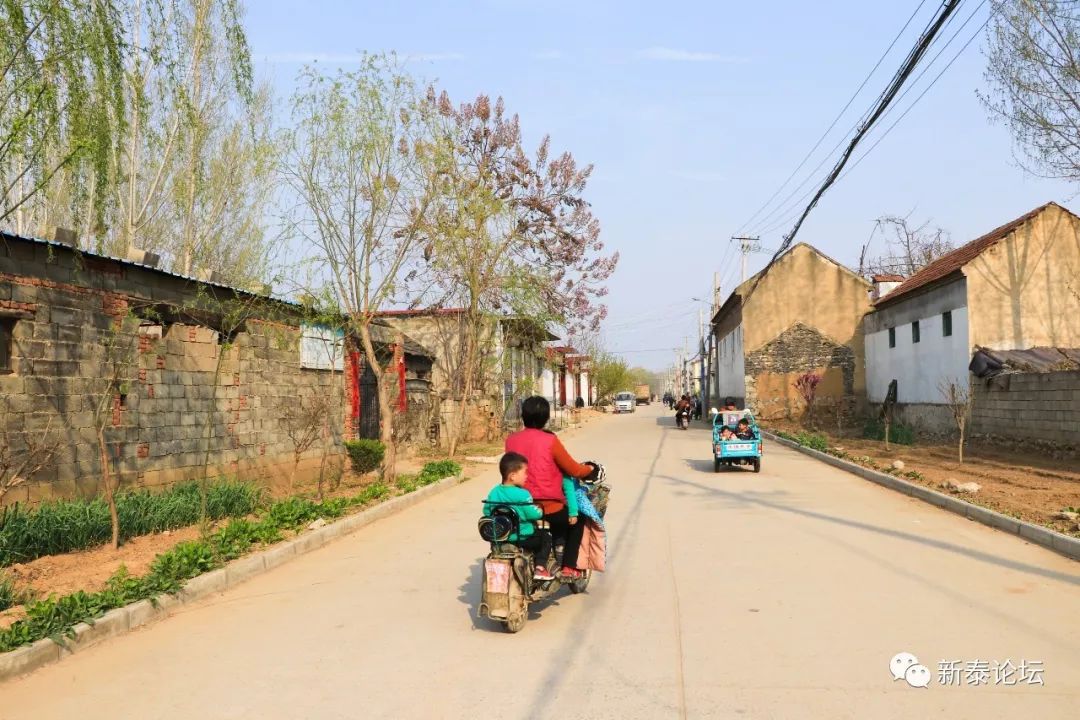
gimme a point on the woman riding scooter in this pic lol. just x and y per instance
(548, 463)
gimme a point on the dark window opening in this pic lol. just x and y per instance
(7, 329)
(915, 331)
(123, 400)
(946, 323)
(892, 337)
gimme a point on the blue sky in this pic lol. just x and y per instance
(693, 114)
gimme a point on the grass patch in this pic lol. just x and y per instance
(900, 434)
(62, 526)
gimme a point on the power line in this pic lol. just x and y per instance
(792, 211)
(787, 212)
(920, 97)
(833, 124)
(882, 104)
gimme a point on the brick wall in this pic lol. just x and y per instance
(1042, 406)
(182, 392)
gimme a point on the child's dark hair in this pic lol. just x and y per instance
(745, 422)
(511, 462)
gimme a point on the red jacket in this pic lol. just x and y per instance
(548, 462)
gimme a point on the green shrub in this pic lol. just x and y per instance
(407, 483)
(291, 513)
(813, 441)
(66, 525)
(437, 470)
(366, 455)
(374, 491)
(898, 433)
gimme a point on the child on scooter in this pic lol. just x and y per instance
(511, 491)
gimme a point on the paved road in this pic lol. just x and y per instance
(778, 595)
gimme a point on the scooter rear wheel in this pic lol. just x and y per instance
(579, 585)
(516, 621)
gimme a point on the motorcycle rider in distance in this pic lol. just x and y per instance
(549, 462)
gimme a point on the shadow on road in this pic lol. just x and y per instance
(577, 640)
(957, 595)
(899, 534)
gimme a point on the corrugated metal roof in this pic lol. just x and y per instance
(951, 263)
(1034, 360)
(141, 266)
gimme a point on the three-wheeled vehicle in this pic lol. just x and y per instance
(508, 585)
(735, 451)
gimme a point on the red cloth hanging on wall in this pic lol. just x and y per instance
(400, 361)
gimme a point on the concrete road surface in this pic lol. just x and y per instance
(778, 595)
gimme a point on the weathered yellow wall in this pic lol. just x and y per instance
(1025, 291)
(805, 287)
(776, 396)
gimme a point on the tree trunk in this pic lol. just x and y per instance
(110, 493)
(960, 448)
(471, 342)
(887, 424)
(386, 410)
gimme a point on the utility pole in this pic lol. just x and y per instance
(747, 245)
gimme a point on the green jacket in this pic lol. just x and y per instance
(569, 489)
(522, 502)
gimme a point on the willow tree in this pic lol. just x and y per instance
(61, 107)
(1033, 68)
(356, 163)
(510, 234)
(197, 157)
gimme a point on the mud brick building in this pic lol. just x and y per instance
(1015, 291)
(173, 371)
(803, 314)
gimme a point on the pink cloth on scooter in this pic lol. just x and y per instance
(592, 554)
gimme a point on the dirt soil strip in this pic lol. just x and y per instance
(121, 620)
(1049, 539)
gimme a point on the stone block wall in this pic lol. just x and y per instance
(89, 350)
(1037, 406)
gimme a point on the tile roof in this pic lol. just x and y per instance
(952, 262)
(888, 277)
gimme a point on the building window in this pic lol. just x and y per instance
(7, 328)
(322, 348)
(946, 323)
(915, 331)
(892, 337)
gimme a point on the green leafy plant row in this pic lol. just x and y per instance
(55, 617)
(65, 525)
(430, 473)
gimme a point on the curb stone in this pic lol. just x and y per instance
(145, 612)
(1045, 537)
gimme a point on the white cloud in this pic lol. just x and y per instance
(352, 58)
(673, 55)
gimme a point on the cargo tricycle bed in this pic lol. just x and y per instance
(735, 451)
